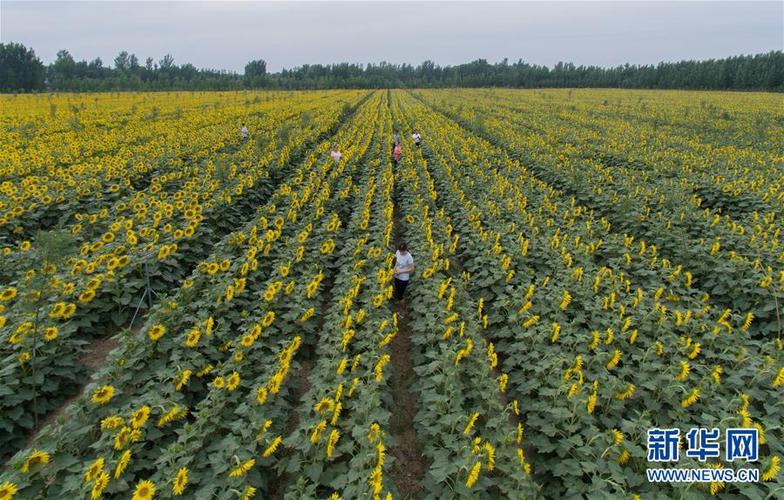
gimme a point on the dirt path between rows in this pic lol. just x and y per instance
(93, 359)
(409, 466)
(301, 384)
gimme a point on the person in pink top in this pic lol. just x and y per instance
(396, 153)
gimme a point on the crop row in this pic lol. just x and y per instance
(594, 360)
(59, 300)
(208, 352)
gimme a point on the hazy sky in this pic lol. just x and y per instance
(225, 35)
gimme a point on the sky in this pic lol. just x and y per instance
(227, 34)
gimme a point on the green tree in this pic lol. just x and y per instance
(20, 69)
(256, 73)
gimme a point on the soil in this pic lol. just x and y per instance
(93, 359)
(409, 466)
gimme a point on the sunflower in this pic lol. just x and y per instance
(771, 471)
(70, 310)
(327, 247)
(144, 490)
(87, 296)
(180, 481)
(261, 395)
(164, 252)
(111, 423)
(193, 338)
(35, 458)
(233, 381)
(8, 490)
(473, 475)
(272, 447)
(315, 435)
(626, 393)
(307, 314)
(140, 417)
(207, 369)
(169, 416)
(8, 294)
(624, 456)
(243, 468)
(185, 376)
(103, 395)
(94, 470)
(156, 332)
(332, 441)
(325, 405)
(692, 398)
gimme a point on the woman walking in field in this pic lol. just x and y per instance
(395, 141)
(404, 266)
(396, 153)
(335, 154)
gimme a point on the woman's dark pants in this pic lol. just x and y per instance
(399, 289)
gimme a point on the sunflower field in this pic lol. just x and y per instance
(590, 264)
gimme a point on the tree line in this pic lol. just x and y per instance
(22, 71)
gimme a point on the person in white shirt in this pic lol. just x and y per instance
(244, 132)
(417, 138)
(335, 154)
(404, 266)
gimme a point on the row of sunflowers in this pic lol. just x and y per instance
(200, 402)
(603, 337)
(659, 184)
(469, 424)
(66, 286)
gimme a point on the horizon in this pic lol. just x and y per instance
(109, 64)
(582, 33)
